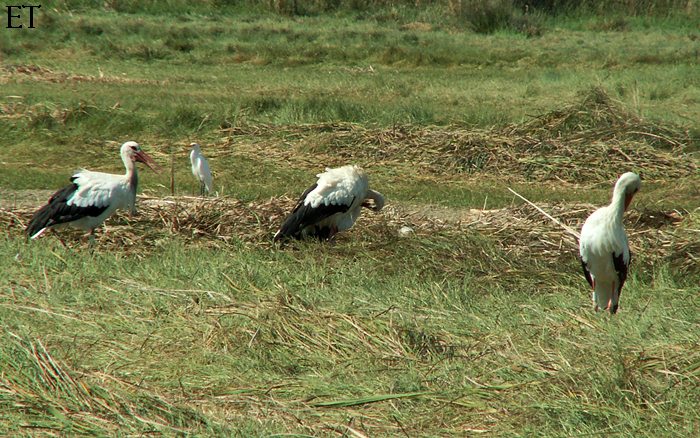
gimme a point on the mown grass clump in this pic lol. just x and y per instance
(77, 117)
(56, 399)
(596, 129)
(487, 17)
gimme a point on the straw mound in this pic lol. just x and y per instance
(36, 73)
(521, 233)
(597, 131)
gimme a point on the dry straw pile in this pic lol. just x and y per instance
(520, 232)
(588, 141)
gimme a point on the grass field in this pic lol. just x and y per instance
(187, 320)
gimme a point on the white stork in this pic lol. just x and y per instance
(92, 196)
(603, 246)
(331, 205)
(200, 169)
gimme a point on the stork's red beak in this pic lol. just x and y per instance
(146, 159)
(628, 200)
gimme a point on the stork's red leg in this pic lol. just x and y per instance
(612, 295)
(615, 299)
(333, 232)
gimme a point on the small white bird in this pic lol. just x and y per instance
(331, 205)
(200, 169)
(603, 246)
(92, 196)
(405, 231)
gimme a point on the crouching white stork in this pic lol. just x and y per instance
(604, 250)
(200, 169)
(92, 196)
(331, 205)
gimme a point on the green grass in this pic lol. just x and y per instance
(479, 326)
(249, 331)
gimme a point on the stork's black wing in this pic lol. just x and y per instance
(586, 272)
(57, 211)
(304, 215)
(621, 269)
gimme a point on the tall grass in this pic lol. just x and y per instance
(424, 335)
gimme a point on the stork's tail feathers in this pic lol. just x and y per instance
(47, 214)
(39, 222)
(287, 231)
(278, 236)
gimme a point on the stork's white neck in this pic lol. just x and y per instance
(378, 199)
(131, 174)
(617, 205)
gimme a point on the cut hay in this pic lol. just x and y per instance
(601, 118)
(50, 393)
(15, 73)
(593, 140)
(521, 233)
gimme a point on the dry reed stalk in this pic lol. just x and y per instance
(547, 215)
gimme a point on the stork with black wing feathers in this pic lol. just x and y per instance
(331, 205)
(604, 248)
(92, 197)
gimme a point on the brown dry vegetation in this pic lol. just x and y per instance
(549, 149)
(20, 73)
(597, 131)
(520, 231)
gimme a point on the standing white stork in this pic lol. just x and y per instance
(331, 205)
(200, 169)
(92, 196)
(603, 246)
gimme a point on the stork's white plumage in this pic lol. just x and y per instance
(331, 205)
(603, 247)
(92, 196)
(200, 169)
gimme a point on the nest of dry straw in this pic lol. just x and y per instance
(519, 232)
(209, 221)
